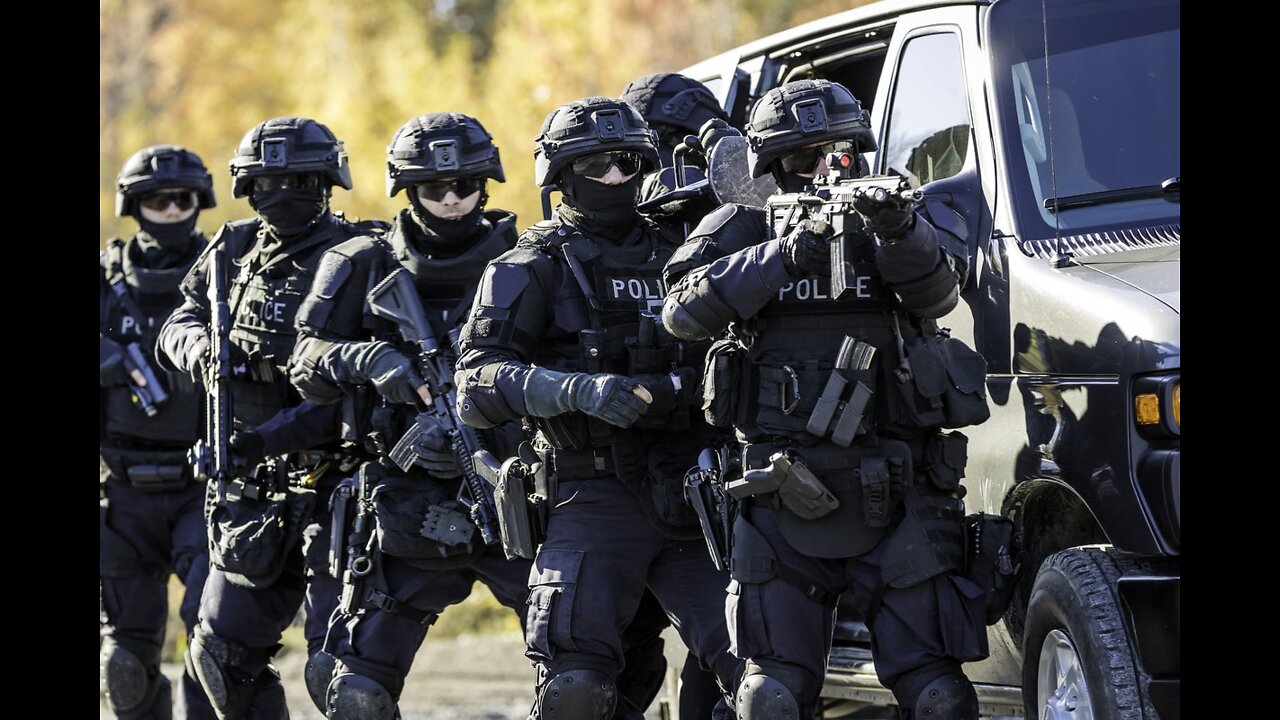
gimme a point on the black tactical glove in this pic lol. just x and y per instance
(247, 450)
(666, 396)
(713, 131)
(195, 355)
(111, 370)
(887, 215)
(806, 250)
(433, 453)
(392, 374)
(606, 396)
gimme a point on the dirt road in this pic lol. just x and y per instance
(460, 678)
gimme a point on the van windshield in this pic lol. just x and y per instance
(1092, 136)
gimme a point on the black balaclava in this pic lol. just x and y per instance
(165, 245)
(440, 237)
(790, 182)
(606, 210)
(289, 213)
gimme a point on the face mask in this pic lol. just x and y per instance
(792, 182)
(446, 234)
(290, 212)
(610, 206)
(169, 236)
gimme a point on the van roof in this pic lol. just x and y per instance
(800, 34)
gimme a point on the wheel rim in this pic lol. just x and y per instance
(1061, 690)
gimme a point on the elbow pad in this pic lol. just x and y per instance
(480, 405)
(306, 376)
(933, 295)
(693, 310)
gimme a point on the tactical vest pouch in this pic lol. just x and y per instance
(945, 456)
(919, 383)
(993, 561)
(720, 381)
(788, 394)
(965, 399)
(941, 382)
(417, 519)
(250, 539)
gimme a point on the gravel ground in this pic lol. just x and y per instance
(460, 678)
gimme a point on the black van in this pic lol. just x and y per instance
(1053, 126)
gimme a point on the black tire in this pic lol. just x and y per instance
(1074, 606)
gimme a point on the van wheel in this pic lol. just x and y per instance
(1077, 662)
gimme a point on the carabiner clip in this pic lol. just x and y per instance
(788, 408)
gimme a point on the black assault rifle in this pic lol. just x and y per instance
(832, 203)
(396, 299)
(150, 396)
(212, 458)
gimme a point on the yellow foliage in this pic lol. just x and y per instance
(201, 73)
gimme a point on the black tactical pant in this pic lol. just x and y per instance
(775, 625)
(147, 536)
(600, 554)
(257, 617)
(381, 643)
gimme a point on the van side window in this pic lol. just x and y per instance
(929, 126)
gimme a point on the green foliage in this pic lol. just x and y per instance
(201, 73)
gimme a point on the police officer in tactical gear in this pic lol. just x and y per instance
(442, 161)
(286, 167)
(563, 334)
(676, 106)
(871, 508)
(152, 519)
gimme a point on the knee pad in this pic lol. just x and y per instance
(356, 697)
(124, 676)
(943, 697)
(577, 695)
(318, 674)
(226, 670)
(761, 697)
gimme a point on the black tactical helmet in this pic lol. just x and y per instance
(802, 113)
(440, 145)
(160, 167)
(673, 99)
(586, 127)
(287, 145)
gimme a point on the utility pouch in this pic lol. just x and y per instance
(920, 383)
(993, 560)
(965, 398)
(250, 539)
(594, 350)
(945, 456)
(158, 478)
(882, 488)
(721, 377)
(406, 512)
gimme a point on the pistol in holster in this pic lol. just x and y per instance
(795, 485)
(704, 490)
(522, 495)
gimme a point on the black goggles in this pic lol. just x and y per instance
(295, 181)
(435, 190)
(805, 160)
(184, 199)
(595, 166)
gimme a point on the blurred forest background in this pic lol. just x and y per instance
(201, 73)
